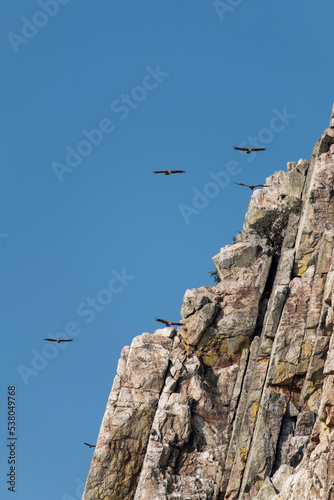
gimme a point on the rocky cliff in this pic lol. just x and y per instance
(238, 403)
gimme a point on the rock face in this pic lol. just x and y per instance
(238, 403)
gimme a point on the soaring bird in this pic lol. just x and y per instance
(168, 323)
(251, 187)
(59, 340)
(168, 172)
(249, 150)
(90, 445)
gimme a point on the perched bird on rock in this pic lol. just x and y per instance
(168, 323)
(249, 150)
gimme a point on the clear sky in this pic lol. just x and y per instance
(95, 96)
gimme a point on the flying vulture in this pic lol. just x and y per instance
(90, 445)
(249, 150)
(168, 323)
(168, 172)
(59, 340)
(251, 187)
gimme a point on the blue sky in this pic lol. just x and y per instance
(93, 245)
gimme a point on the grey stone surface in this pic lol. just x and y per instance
(331, 122)
(280, 476)
(198, 322)
(266, 491)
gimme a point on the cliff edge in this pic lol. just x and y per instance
(238, 403)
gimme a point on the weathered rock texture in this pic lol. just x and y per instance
(239, 402)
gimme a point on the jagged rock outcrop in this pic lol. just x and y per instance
(238, 403)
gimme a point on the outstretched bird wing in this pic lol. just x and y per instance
(252, 187)
(59, 340)
(90, 445)
(169, 172)
(162, 321)
(168, 323)
(249, 149)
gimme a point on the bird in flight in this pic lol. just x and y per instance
(90, 445)
(168, 323)
(168, 172)
(59, 340)
(249, 150)
(251, 187)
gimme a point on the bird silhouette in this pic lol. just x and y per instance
(252, 187)
(59, 340)
(168, 323)
(249, 150)
(90, 445)
(168, 172)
